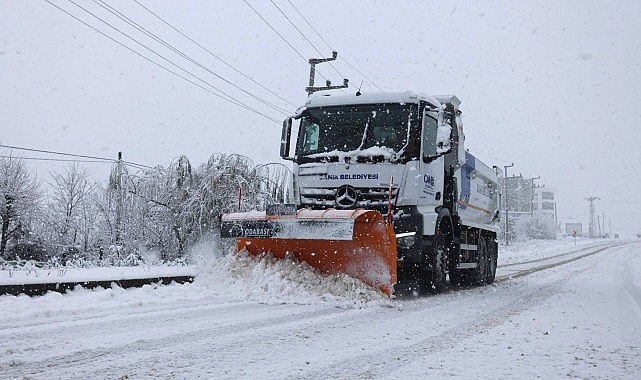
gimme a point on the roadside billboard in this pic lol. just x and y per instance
(574, 229)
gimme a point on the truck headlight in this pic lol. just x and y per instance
(406, 239)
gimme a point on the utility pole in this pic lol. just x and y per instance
(591, 209)
(119, 197)
(532, 194)
(312, 74)
(507, 242)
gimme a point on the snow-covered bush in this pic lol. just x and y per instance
(535, 227)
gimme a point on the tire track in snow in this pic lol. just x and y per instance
(89, 316)
(93, 359)
(607, 244)
(525, 272)
(69, 335)
(263, 337)
(377, 364)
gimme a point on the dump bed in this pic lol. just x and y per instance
(478, 189)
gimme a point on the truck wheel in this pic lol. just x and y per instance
(479, 274)
(457, 277)
(438, 273)
(492, 258)
(435, 272)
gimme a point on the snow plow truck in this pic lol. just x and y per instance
(383, 190)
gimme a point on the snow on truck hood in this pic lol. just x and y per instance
(373, 151)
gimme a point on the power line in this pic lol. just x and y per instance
(214, 55)
(177, 51)
(104, 159)
(310, 25)
(55, 159)
(303, 35)
(363, 75)
(295, 27)
(329, 46)
(158, 64)
(279, 35)
(238, 102)
(275, 31)
(57, 153)
(132, 23)
(225, 97)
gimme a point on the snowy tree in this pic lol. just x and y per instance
(148, 224)
(276, 179)
(69, 204)
(180, 181)
(19, 199)
(158, 216)
(183, 204)
(226, 183)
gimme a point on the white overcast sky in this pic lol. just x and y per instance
(552, 86)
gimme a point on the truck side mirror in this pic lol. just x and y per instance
(285, 139)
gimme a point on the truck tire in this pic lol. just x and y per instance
(492, 258)
(457, 277)
(438, 273)
(479, 274)
(435, 264)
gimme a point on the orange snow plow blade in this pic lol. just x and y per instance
(355, 242)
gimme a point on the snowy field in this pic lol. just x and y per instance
(245, 317)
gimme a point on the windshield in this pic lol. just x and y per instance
(371, 132)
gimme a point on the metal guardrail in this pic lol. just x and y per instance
(19, 264)
(63, 287)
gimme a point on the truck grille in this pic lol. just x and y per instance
(372, 198)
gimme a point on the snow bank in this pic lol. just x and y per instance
(268, 280)
(238, 277)
(223, 271)
(57, 306)
(233, 276)
(220, 278)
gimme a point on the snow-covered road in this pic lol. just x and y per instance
(248, 318)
